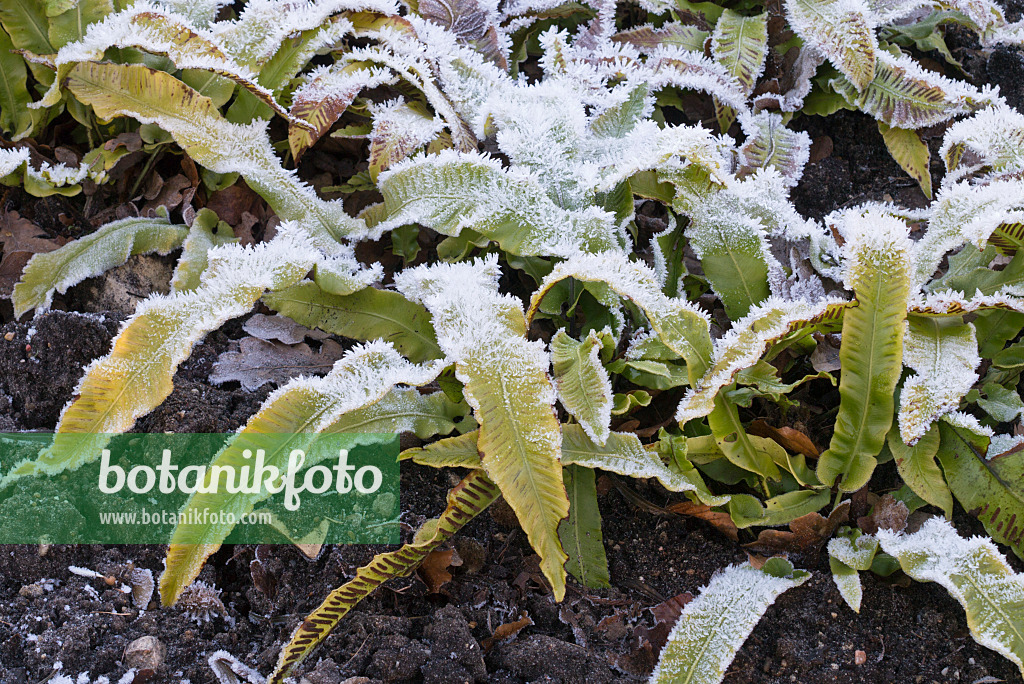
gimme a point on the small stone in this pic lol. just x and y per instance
(145, 653)
(357, 680)
(9, 336)
(31, 591)
(859, 657)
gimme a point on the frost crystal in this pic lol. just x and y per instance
(714, 625)
(873, 239)
(744, 344)
(965, 213)
(993, 138)
(944, 357)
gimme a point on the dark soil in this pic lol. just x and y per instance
(908, 632)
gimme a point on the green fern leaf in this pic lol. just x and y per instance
(369, 314)
(878, 270)
(988, 488)
(90, 256)
(580, 533)
(582, 382)
(740, 44)
(714, 625)
(507, 384)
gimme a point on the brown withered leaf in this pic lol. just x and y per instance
(20, 239)
(789, 438)
(256, 362)
(756, 560)
(887, 514)
(264, 580)
(172, 193)
(434, 568)
(130, 141)
(807, 534)
(279, 328)
(507, 631)
(230, 203)
(720, 520)
(666, 614)
(18, 234)
(11, 268)
(465, 18)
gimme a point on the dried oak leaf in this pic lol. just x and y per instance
(806, 534)
(888, 514)
(720, 520)
(21, 240)
(230, 203)
(279, 328)
(257, 362)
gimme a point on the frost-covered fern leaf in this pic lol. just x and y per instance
(770, 143)
(732, 245)
(623, 454)
(206, 232)
(848, 555)
(944, 354)
(740, 44)
(302, 408)
(264, 25)
(714, 625)
(748, 340)
(90, 256)
(151, 96)
(952, 302)
(671, 66)
(682, 327)
(49, 179)
(507, 384)
(646, 38)
(148, 27)
(903, 94)
(965, 213)
(324, 97)
(582, 382)
(992, 139)
(797, 85)
(137, 374)
(984, 17)
(199, 12)
(450, 191)
(595, 62)
(398, 131)
(419, 58)
(406, 410)
(878, 268)
(975, 573)
(843, 31)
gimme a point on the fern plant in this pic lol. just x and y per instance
(572, 153)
